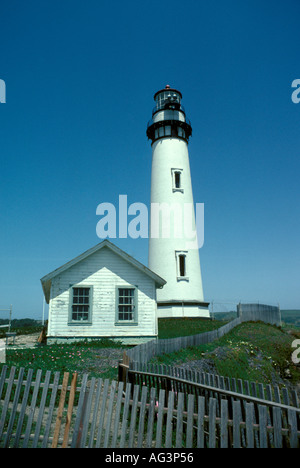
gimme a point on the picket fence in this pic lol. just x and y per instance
(246, 313)
(48, 410)
(146, 351)
(159, 374)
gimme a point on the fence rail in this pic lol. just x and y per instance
(49, 410)
(155, 374)
(146, 351)
(247, 312)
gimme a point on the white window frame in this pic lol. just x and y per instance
(175, 171)
(178, 254)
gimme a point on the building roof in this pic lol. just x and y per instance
(47, 279)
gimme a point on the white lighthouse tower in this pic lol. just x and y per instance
(172, 253)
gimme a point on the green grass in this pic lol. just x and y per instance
(173, 328)
(251, 351)
(84, 357)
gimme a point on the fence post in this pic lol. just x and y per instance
(60, 409)
(123, 368)
(70, 409)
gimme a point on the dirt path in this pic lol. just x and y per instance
(24, 341)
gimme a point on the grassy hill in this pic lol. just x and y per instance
(252, 351)
(174, 327)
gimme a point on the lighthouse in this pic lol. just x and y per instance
(173, 254)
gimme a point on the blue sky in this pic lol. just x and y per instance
(80, 78)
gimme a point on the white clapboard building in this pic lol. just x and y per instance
(102, 293)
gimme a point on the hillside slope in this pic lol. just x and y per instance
(252, 351)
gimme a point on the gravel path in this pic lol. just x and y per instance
(24, 341)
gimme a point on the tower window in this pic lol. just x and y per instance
(181, 265)
(177, 180)
(174, 132)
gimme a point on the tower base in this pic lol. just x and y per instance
(183, 309)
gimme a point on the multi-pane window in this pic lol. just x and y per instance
(81, 304)
(126, 304)
(167, 97)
